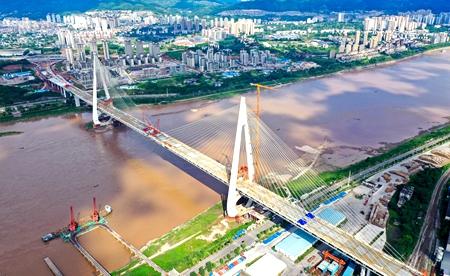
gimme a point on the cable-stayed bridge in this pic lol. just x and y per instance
(238, 149)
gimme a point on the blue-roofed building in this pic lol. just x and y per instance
(349, 270)
(333, 268)
(323, 266)
(332, 216)
(296, 244)
(230, 74)
(335, 198)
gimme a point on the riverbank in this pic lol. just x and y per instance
(326, 70)
(61, 110)
(189, 243)
(388, 152)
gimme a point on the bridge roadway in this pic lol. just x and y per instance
(368, 256)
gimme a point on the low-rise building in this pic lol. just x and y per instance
(268, 265)
(405, 195)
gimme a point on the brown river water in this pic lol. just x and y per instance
(56, 163)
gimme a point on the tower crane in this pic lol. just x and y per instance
(258, 95)
(258, 111)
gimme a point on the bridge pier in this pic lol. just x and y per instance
(77, 101)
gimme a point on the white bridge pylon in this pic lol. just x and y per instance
(242, 126)
(95, 119)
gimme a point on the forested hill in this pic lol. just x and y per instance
(39, 8)
(346, 5)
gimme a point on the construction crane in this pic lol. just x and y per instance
(258, 95)
(258, 111)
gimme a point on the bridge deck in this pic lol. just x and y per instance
(377, 260)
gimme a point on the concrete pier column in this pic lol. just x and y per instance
(77, 101)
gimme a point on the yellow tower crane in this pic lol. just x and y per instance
(258, 111)
(258, 95)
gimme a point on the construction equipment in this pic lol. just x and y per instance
(328, 255)
(95, 212)
(151, 129)
(258, 95)
(258, 111)
(73, 223)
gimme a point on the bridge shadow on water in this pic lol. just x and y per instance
(201, 176)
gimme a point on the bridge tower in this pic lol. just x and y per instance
(73, 224)
(97, 66)
(103, 76)
(242, 126)
(94, 91)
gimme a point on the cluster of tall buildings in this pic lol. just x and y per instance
(389, 34)
(427, 17)
(213, 60)
(209, 61)
(221, 27)
(73, 47)
(103, 20)
(22, 25)
(54, 18)
(183, 24)
(391, 23)
(363, 40)
(255, 57)
(136, 56)
(76, 54)
(440, 38)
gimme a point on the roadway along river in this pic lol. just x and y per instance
(56, 163)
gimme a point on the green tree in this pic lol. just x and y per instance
(201, 271)
(209, 266)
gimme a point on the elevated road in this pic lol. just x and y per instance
(372, 258)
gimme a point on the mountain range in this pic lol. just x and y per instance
(39, 8)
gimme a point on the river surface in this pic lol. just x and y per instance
(56, 163)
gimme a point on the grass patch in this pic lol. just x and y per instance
(268, 232)
(307, 252)
(125, 268)
(141, 270)
(193, 251)
(254, 261)
(199, 224)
